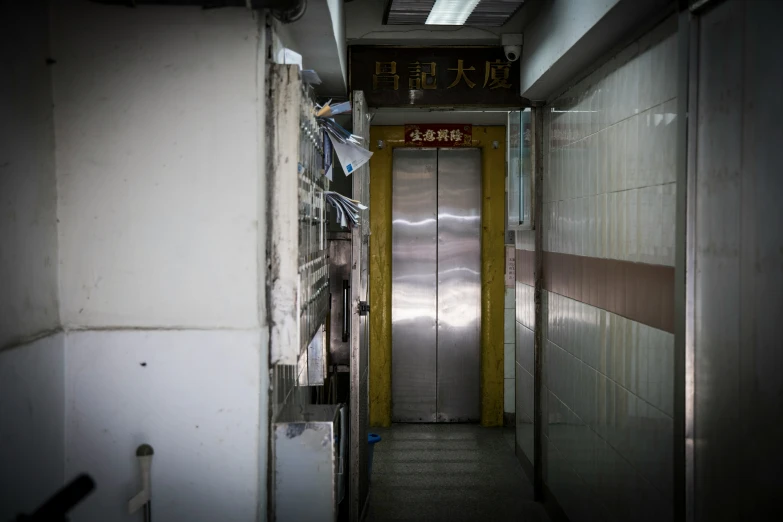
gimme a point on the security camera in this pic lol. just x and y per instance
(512, 46)
(513, 52)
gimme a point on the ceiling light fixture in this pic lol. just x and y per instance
(451, 12)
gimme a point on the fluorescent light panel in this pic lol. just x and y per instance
(451, 12)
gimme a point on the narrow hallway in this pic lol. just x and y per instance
(449, 472)
(237, 236)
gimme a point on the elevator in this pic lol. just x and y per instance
(436, 285)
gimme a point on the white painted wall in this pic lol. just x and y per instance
(192, 395)
(398, 116)
(28, 197)
(559, 26)
(31, 425)
(157, 193)
(158, 163)
(31, 352)
(159, 131)
(319, 36)
(337, 14)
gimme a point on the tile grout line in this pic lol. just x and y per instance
(588, 426)
(613, 380)
(622, 120)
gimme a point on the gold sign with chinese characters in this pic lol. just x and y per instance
(435, 76)
(439, 135)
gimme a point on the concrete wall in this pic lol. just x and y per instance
(31, 350)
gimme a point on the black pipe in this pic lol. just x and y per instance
(55, 509)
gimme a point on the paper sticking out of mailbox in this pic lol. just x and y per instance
(350, 152)
(347, 208)
(328, 110)
(351, 155)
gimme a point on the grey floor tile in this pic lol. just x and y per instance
(450, 472)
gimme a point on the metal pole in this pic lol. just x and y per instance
(538, 339)
(142, 500)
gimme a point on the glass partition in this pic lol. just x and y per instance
(520, 169)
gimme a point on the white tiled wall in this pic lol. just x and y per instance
(609, 192)
(609, 385)
(509, 328)
(524, 354)
(610, 152)
(194, 395)
(525, 367)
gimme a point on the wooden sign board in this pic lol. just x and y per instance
(435, 76)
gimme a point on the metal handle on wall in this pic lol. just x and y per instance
(346, 310)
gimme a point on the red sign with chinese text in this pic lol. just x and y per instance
(439, 135)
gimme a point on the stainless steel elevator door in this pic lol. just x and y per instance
(436, 285)
(414, 291)
(459, 285)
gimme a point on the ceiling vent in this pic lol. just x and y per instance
(486, 13)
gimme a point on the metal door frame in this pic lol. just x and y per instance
(689, 20)
(359, 333)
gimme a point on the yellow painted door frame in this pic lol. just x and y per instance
(492, 142)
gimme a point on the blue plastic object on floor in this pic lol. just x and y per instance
(372, 440)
